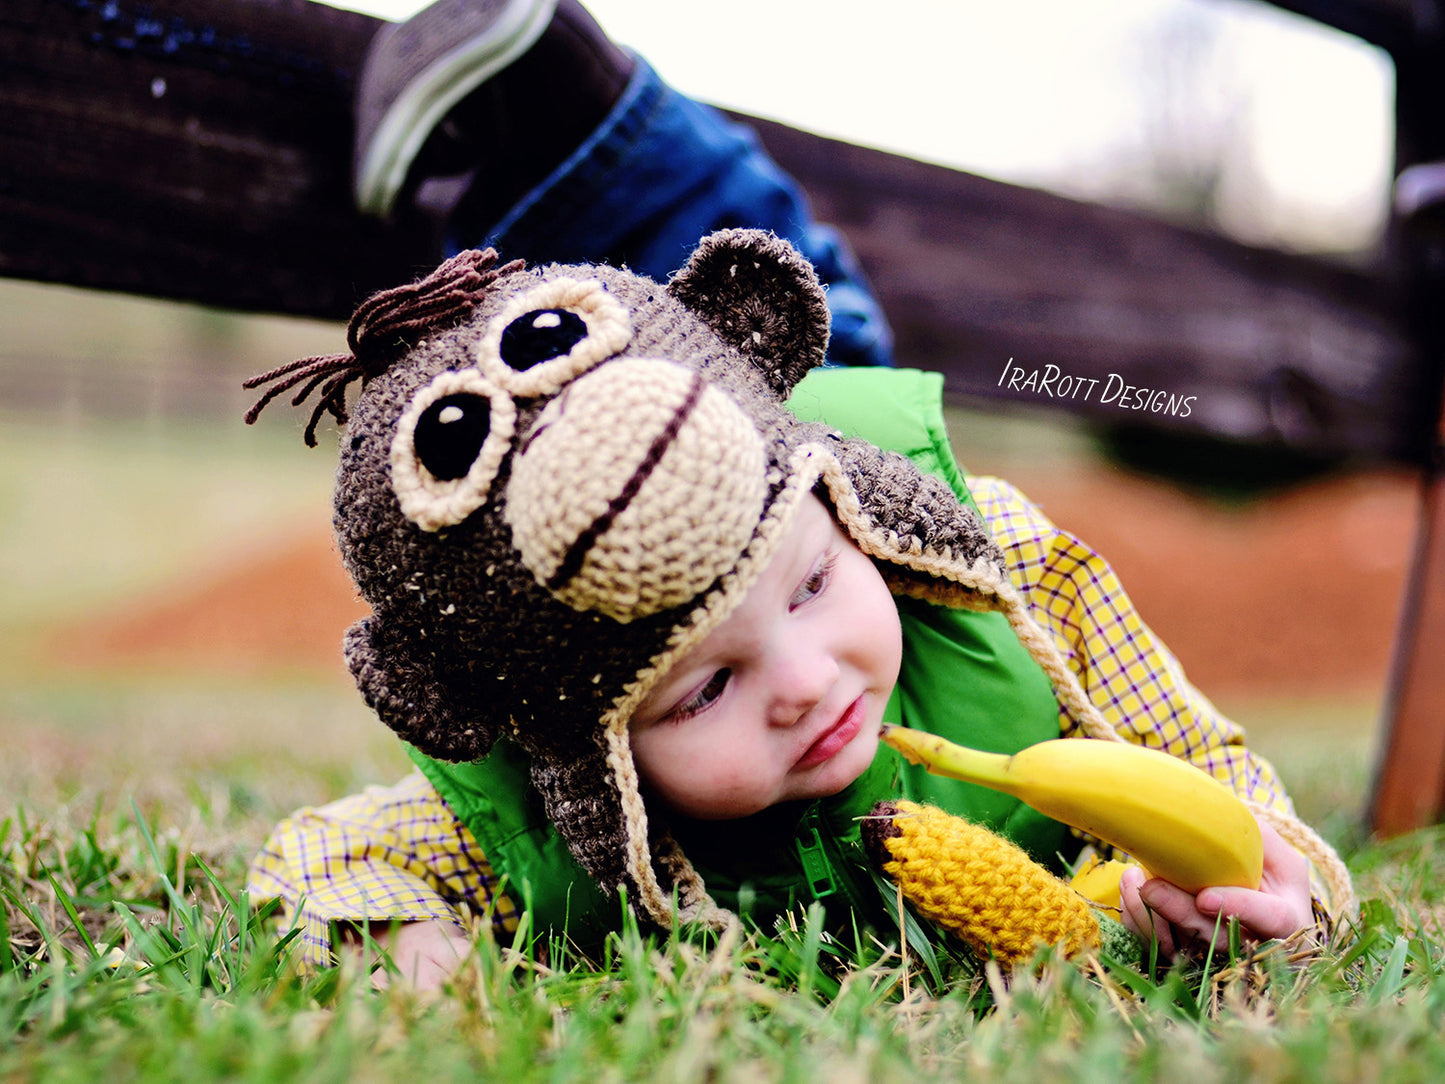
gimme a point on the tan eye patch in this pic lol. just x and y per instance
(449, 444)
(551, 335)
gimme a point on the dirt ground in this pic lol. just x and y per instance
(1297, 595)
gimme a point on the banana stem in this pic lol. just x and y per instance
(945, 758)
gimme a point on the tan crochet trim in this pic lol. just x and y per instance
(609, 329)
(1046, 653)
(774, 526)
(430, 502)
(637, 853)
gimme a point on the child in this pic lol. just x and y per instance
(640, 625)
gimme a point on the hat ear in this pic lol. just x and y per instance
(422, 705)
(761, 297)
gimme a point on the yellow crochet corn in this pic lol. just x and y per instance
(982, 887)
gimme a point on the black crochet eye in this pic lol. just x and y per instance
(450, 433)
(539, 335)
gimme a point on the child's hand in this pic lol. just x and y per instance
(426, 954)
(1281, 906)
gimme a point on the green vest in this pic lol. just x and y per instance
(965, 676)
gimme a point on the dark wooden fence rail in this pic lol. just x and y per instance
(198, 150)
(195, 150)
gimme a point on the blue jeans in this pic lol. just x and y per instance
(661, 172)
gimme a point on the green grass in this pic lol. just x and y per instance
(128, 953)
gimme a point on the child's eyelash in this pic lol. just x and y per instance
(816, 581)
(700, 701)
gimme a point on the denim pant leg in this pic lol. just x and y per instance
(661, 172)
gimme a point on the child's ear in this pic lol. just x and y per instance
(759, 295)
(421, 705)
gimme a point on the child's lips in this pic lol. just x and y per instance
(828, 744)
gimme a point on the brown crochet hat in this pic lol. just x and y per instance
(557, 480)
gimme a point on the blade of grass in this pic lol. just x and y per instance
(812, 944)
(7, 956)
(68, 905)
(158, 956)
(190, 918)
(912, 931)
(1392, 975)
(1137, 984)
(237, 908)
(178, 901)
(1203, 993)
(30, 914)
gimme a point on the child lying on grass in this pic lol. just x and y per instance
(640, 624)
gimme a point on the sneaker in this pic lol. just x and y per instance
(417, 70)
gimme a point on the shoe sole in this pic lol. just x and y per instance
(413, 114)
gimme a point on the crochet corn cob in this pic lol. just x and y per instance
(981, 887)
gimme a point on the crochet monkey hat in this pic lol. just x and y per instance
(556, 480)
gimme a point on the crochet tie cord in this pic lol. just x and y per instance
(977, 885)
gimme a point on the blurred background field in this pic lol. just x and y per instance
(128, 482)
(171, 608)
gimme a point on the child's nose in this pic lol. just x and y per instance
(802, 679)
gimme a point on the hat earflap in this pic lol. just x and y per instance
(435, 713)
(930, 546)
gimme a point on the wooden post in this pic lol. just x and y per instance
(1409, 788)
(1410, 785)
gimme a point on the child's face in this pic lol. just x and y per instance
(784, 699)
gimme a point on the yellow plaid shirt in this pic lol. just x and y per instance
(399, 854)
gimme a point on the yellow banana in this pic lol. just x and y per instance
(1177, 822)
(1097, 880)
